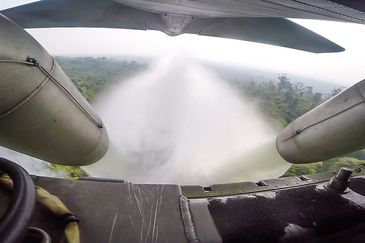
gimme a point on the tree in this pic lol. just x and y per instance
(284, 84)
(93, 75)
(316, 99)
(335, 91)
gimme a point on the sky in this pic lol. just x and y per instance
(345, 68)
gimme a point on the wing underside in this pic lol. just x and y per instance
(256, 21)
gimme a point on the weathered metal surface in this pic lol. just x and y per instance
(257, 21)
(333, 128)
(114, 211)
(231, 189)
(309, 213)
(42, 113)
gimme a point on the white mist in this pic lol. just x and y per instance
(178, 123)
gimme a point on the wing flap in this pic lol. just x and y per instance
(273, 31)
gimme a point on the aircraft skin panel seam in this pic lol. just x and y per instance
(331, 11)
(338, 5)
(317, 8)
(33, 93)
(176, 23)
(291, 7)
(184, 10)
(71, 96)
(299, 131)
(185, 21)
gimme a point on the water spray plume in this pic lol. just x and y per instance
(179, 123)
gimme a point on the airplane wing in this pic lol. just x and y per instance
(257, 21)
(273, 31)
(82, 13)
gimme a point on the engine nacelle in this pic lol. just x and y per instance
(334, 128)
(42, 113)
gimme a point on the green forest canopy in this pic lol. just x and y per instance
(93, 75)
(282, 100)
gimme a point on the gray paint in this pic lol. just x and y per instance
(203, 222)
(333, 128)
(256, 21)
(114, 211)
(42, 113)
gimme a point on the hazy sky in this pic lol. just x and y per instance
(345, 68)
